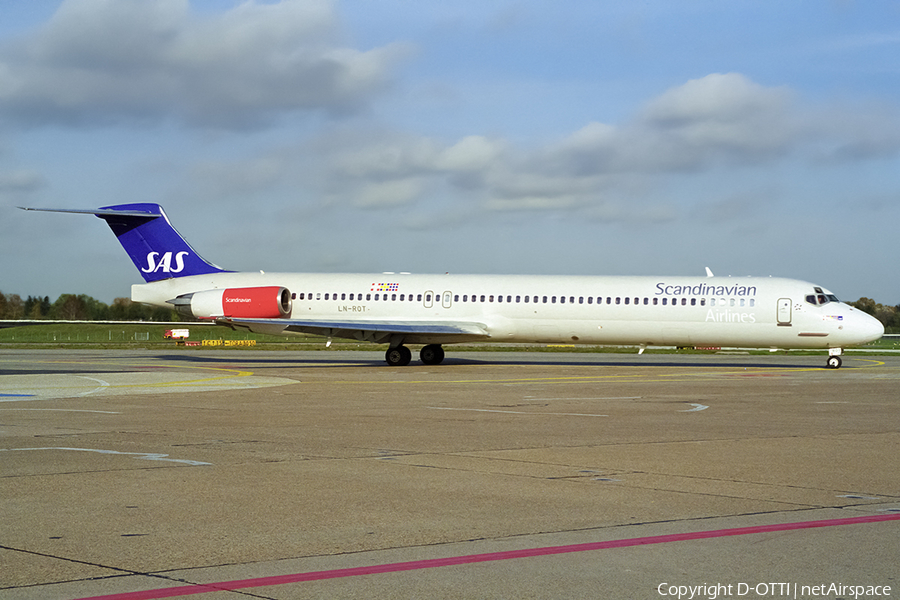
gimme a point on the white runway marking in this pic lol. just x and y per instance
(103, 384)
(697, 407)
(30, 388)
(138, 455)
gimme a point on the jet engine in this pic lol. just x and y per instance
(271, 302)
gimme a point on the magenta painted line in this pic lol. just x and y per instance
(190, 590)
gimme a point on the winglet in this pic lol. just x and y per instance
(709, 273)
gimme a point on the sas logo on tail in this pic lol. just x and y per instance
(165, 263)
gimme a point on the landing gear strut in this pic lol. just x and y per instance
(834, 358)
(398, 356)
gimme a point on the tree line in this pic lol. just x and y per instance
(887, 314)
(70, 307)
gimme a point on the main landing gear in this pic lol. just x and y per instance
(400, 356)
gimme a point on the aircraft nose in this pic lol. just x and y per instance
(869, 328)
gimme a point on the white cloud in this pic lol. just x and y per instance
(605, 172)
(101, 61)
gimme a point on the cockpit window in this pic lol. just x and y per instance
(820, 298)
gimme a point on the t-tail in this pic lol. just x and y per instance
(155, 247)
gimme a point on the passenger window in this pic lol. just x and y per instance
(626, 300)
(562, 300)
(752, 302)
(581, 300)
(731, 302)
(571, 299)
(655, 301)
(742, 301)
(664, 301)
(482, 297)
(693, 302)
(545, 299)
(519, 299)
(553, 300)
(618, 300)
(393, 297)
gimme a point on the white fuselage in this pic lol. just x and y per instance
(646, 311)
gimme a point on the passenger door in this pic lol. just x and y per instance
(784, 311)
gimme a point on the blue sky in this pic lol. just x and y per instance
(651, 138)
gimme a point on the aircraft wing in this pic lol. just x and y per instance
(377, 331)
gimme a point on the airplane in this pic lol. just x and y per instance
(401, 309)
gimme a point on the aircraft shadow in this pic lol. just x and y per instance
(347, 359)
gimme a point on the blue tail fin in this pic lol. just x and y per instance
(155, 247)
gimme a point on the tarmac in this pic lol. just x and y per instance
(228, 474)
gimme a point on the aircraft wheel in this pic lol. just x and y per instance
(398, 357)
(834, 362)
(432, 354)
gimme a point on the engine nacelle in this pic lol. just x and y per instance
(271, 302)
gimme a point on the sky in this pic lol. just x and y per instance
(579, 137)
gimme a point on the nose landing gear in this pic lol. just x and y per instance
(834, 358)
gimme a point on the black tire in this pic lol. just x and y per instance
(432, 354)
(398, 357)
(834, 362)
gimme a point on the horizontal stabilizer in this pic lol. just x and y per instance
(101, 212)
